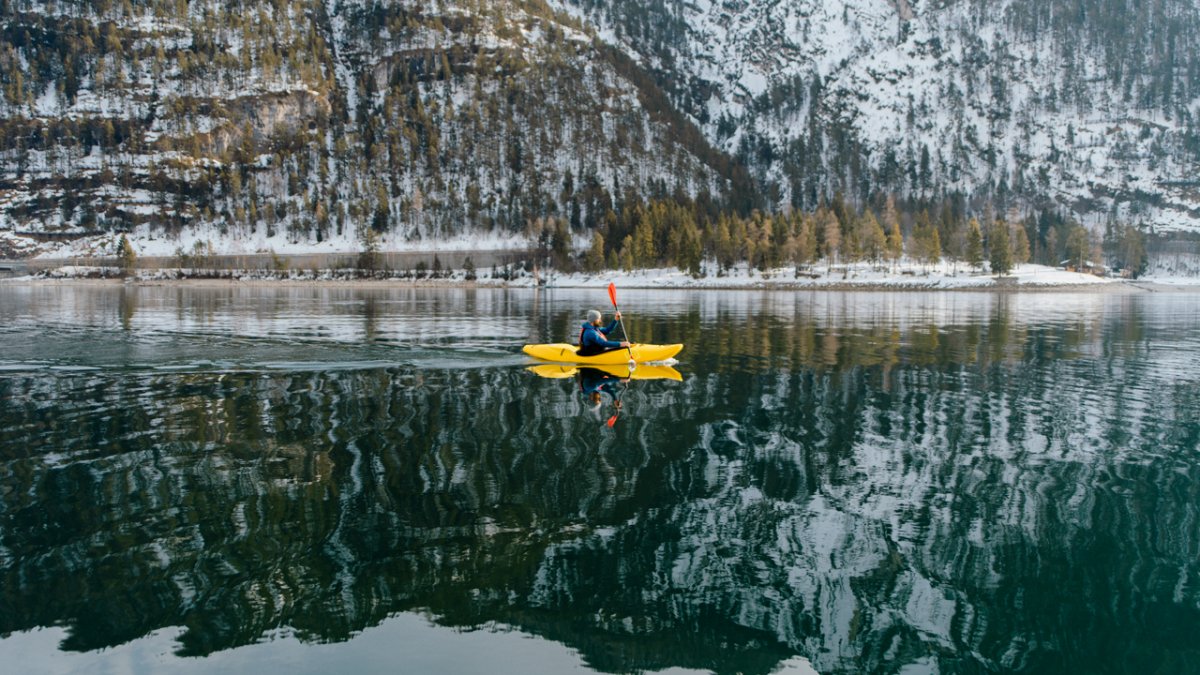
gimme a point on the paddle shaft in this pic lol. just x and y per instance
(625, 329)
(612, 295)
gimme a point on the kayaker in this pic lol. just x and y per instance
(593, 339)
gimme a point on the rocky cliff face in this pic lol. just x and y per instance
(1089, 107)
(300, 124)
(306, 122)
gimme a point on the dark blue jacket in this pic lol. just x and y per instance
(594, 340)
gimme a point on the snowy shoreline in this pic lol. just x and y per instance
(503, 262)
(504, 271)
(646, 280)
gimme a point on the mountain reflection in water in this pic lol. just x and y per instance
(964, 483)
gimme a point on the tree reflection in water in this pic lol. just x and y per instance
(985, 494)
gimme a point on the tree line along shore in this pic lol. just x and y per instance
(702, 241)
(680, 233)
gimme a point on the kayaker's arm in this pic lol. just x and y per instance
(596, 337)
(609, 328)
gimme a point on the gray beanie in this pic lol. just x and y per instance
(593, 316)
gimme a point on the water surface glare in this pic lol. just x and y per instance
(251, 478)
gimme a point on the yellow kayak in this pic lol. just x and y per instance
(556, 371)
(565, 353)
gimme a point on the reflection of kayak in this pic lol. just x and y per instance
(564, 353)
(555, 371)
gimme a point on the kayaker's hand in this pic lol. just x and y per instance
(624, 344)
(617, 316)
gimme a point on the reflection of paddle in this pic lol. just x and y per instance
(613, 420)
(612, 295)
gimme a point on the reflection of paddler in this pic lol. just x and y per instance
(593, 382)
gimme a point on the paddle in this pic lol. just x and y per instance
(612, 295)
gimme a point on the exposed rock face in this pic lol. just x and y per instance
(1086, 106)
(308, 121)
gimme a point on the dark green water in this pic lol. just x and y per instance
(319, 480)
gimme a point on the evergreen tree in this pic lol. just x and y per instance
(644, 251)
(369, 257)
(723, 246)
(782, 240)
(611, 260)
(974, 245)
(805, 250)
(595, 255)
(1051, 253)
(690, 249)
(926, 243)
(875, 239)
(1020, 246)
(627, 254)
(853, 246)
(382, 208)
(560, 245)
(831, 232)
(891, 222)
(765, 253)
(1078, 247)
(540, 234)
(950, 230)
(1131, 250)
(126, 255)
(1000, 252)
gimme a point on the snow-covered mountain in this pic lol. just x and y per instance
(307, 121)
(1085, 106)
(301, 123)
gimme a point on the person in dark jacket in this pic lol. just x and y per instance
(593, 339)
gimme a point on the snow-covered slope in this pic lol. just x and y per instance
(297, 125)
(1084, 106)
(276, 124)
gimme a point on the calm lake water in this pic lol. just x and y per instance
(338, 480)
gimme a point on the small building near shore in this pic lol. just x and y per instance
(1088, 267)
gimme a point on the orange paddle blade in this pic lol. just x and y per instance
(611, 421)
(612, 293)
